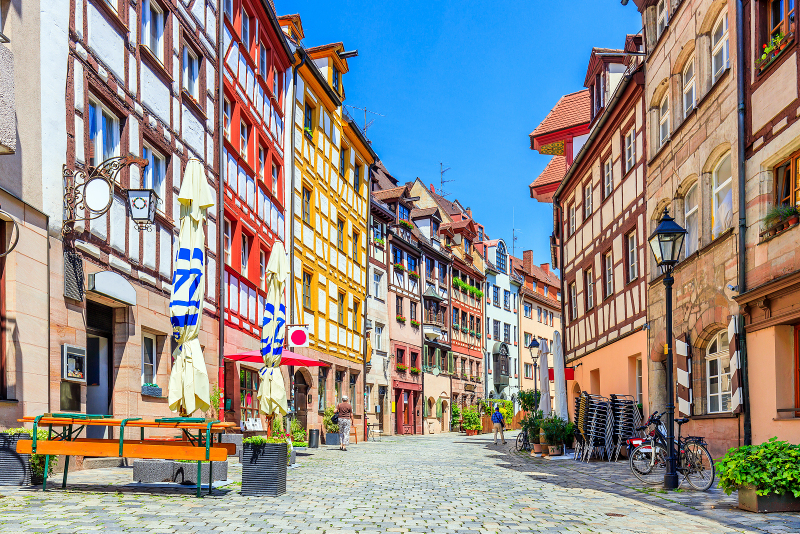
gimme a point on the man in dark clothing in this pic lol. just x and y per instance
(497, 420)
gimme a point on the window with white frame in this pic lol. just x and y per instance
(262, 270)
(379, 337)
(690, 213)
(630, 149)
(573, 301)
(633, 256)
(587, 201)
(718, 374)
(154, 175)
(376, 284)
(722, 197)
(276, 84)
(688, 88)
(227, 113)
(104, 131)
(245, 33)
(639, 392)
(663, 121)
(608, 274)
(244, 139)
(274, 179)
(608, 177)
(227, 232)
(262, 62)
(113, 4)
(148, 359)
(589, 289)
(527, 310)
(571, 219)
(262, 161)
(245, 253)
(539, 314)
(367, 398)
(719, 48)
(153, 28)
(545, 290)
(191, 72)
(662, 17)
(228, 7)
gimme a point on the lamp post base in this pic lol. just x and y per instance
(671, 481)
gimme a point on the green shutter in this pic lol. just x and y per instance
(438, 408)
(424, 357)
(424, 408)
(436, 356)
(450, 362)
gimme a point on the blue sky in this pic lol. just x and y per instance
(464, 83)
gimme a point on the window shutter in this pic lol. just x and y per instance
(436, 359)
(425, 357)
(684, 368)
(438, 408)
(449, 362)
(737, 403)
(424, 408)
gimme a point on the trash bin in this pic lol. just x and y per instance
(313, 439)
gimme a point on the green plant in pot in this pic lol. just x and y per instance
(264, 465)
(767, 476)
(554, 429)
(331, 428)
(779, 215)
(532, 426)
(471, 422)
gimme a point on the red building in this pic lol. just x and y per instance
(255, 64)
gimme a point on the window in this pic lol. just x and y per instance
(357, 178)
(429, 268)
(340, 235)
(496, 329)
(276, 83)
(245, 253)
(262, 160)
(662, 17)
(587, 201)
(376, 284)
(367, 398)
(398, 306)
(690, 210)
(227, 111)
(378, 337)
(718, 374)
(663, 121)
(356, 305)
(472, 323)
(466, 246)
(539, 314)
(308, 120)
(412, 264)
(630, 149)
(639, 380)
(148, 359)
(104, 131)
(589, 289)
(337, 385)
(608, 274)
(262, 269)
(227, 240)
(191, 72)
(306, 206)
(323, 375)
(528, 370)
(608, 178)
(478, 326)
(228, 7)
(245, 29)
(527, 310)
(275, 172)
(413, 311)
(341, 308)
(403, 212)
(545, 290)
(551, 318)
(442, 273)
(506, 299)
(153, 28)
(528, 337)
(501, 257)
(496, 296)
(688, 88)
(154, 174)
(506, 333)
(397, 256)
(455, 316)
(342, 161)
(400, 356)
(354, 247)
(781, 17)
(719, 48)
(633, 263)
(722, 197)
(262, 62)
(248, 391)
(571, 219)
(335, 79)
(573, 301)
(307, 290)
(244, 139)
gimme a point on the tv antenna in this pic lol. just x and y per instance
(365, 110)
(442, 181)
(513, 234)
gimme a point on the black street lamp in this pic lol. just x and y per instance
(666, 243)
(534, 345)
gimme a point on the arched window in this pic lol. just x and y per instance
(718, 374)
(719, 48)
(690, 211)
(722, 209)
(688, 88)
(663, 120)
(501, 257)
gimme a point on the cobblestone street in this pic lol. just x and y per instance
(446, 483)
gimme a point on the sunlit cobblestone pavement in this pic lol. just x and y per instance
(442, 484)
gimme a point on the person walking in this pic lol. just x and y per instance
(345, 412)
(498, 423)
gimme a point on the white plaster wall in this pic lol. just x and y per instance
(192, 132)
(103, 38)
(155, 94)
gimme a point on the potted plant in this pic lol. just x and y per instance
(401, 368)
(414, 275)
(331, 428)
(554, 429)
(405, 224)
(401, 319)
(455, 417)
(414, 323)
(379, 241)
(309, 132)
(264, 465)
(767, 476)
(471, 422)
(413, 370)
(399, 267)
(151, 390)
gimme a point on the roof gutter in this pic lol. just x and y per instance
(308, 61)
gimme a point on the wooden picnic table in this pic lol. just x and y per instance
(64, 431)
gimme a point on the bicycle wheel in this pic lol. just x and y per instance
(699, 466)
(649, 463)
(520, 444)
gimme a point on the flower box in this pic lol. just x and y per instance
(414, 323)
(413, 275)
(401, 368)
(401, 319)
(151, 390)
(405, 224)
(379, 242)
(772, 50)
(264, 469)
(413, 371)
(750, 500)
(399, 267)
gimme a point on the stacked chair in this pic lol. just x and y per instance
(603, 425)
(626, 420)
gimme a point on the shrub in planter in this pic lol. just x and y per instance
(767, 476)
(413, 370)
(151, 390)
(401, 319)
(401, 368)
(471, 422)
(297, 431)
(399, 267)
(36, 461)
(554, 429)
(264, 466)
(414, 323)
(331, 428)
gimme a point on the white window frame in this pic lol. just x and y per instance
(689, 94)
(608, 274)
(377, 279)
(276, 82)
(227, 113)
(663, 120)
(262, 161)
(245, 29)
(227, 232)
(572, 219)
(379, 337)
(690, 211)
(191, 72)
(106, 144)
(662, 17)
(589, 289)
(608, 177)
(630, 149)
(244, 139)
(717, 189)
(367, 398)
(228, 8)
(275, 176)
(154, 175)
(527, 310)
(245, 251)
(631, 244)
(262, 61)
(153, 22)
(154, 364)
(587, 201)
(722, 353)
(719, 48)
(262, 270)
(573, 301)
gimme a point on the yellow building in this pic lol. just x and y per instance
(329, 205)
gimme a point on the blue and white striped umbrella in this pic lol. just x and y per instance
(271, 391)
(188, 383)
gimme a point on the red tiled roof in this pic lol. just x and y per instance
(423, 212)
(570, 110)
(553, 173)
(390, 194)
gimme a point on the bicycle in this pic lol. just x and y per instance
(648, 461)
(522, 443)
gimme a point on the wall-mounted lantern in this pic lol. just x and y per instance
(142, 205)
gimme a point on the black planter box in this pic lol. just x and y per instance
(151, 391)
(264, 469)
(332, 438)
(15, 468)
(772, 502)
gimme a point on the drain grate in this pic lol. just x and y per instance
(612, 514)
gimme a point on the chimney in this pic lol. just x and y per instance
(545, 267)
(527, 260)
(433, 189)
(469, 212)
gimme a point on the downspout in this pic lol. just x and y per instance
(557, 204)
(366, 299)
(740, 74)
(290, 220)
(221, 219)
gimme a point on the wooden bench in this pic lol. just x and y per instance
(64, 432)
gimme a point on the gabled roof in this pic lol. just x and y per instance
(451, 208)
(394, 193)
(571, 110)
(551, 176)
(381, 176)
(464, 226)
(601, 55)
(418, 213)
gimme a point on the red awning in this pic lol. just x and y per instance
(569, 373)
(287, 358)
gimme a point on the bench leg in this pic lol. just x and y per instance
(66, 470)
(46, 468)
(199, 482)
(210, 476)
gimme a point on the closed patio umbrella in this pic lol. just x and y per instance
(188, 383)
(271, 391)
(544, 379)
(560, 382)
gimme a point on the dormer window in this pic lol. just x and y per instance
(403, 213)
(335, 79)
(598, 93)
(662, 17)
(435, 229)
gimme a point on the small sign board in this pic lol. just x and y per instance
(298, 336)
